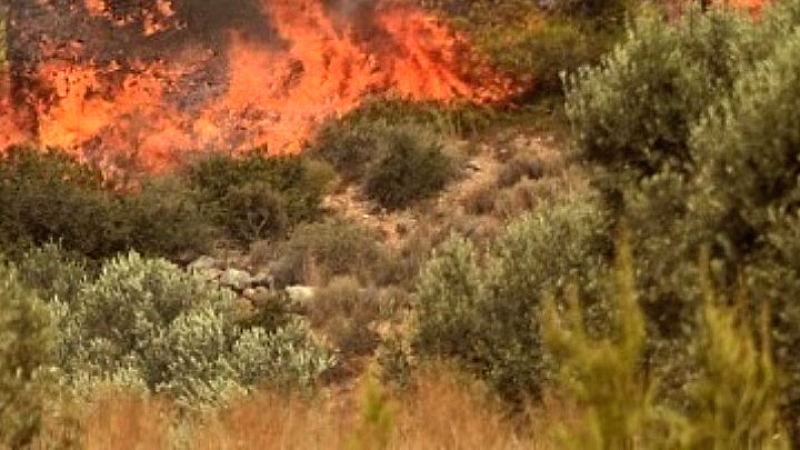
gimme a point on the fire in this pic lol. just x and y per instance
(321, 62)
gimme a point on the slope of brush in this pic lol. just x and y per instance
(654, 254)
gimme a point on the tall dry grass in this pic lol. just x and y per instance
(442, 412)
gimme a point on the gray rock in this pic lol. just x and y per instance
(236, 279)
(302, 295)
(473, 166)
(204, 263)
(263, 279)
(210, 274)
(258, 294)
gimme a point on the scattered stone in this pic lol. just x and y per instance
(259, 294)
(236, 279)
(212, 274)
(204, 263)
(263, 279)
(302, 295)
(473, 166)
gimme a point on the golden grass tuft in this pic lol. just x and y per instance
(442, 412)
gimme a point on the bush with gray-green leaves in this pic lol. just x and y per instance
(695, 125)
(146, 323)
(483, 311)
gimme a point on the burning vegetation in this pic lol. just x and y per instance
(119, 82)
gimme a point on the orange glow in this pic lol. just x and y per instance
(275, 93)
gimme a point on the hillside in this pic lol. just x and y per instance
(432, 224)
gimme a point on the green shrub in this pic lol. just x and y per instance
(148, 323)
(286, 358)
(47, 196)
(350, 145)
(52, 272)
(634, 112)
(50, 197)
(487, 316)
(734, 394)
(27, 339)
(604, 375)
(163, 218)
(254, 211)
(536, 41)
(297, 185)
(412, 167)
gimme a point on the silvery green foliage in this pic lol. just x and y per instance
(26, 341)
(748, 191)
(51, 272)
(146, 322)
(635, 110)
(286, 358)
(486, 315)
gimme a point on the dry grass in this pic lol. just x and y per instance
(443, 412)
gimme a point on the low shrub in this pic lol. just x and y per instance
(52, 272)
(518, 168)
(412, 167)
(233, 187)
(316, 252)
(50, 197)
(486, 315)
(347, 314)
(148, 323)
(163, 218)
(47, 196)
(254, 211)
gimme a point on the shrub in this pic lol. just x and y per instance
(287, 358)
(254, 211)
(350, 146)
(163, 218)
(347, 313)
(412, 167)
(536, 41)
(618, 406)
(52, 272)
(746, 192)
(148, 323)
(518, 168)
(296, 185)
(26, 343)
(605, 375)
(634, 111)
(48, 196)
(487, 316)
(322, 250)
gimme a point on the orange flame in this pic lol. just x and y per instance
(152, 113)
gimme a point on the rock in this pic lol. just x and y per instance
(258, 294)
(301, 294)
(204, 263)
(212, 274)
(263, 279)
(236, 279)
(473, 166)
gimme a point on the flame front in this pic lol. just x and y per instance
(320, 63)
